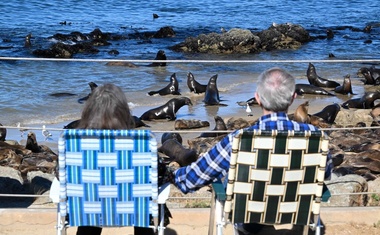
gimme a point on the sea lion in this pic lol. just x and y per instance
(346, 88)
(166, 111)
(252, 101)
(316, 80)
(31, 143)
(177, 152)
(212, 93)
(171, 135)
(3, 133)
(92, 85)
(159, 56)
(182, 124)
(72, 125)
(195, 86)
(371, 75)
(62, 94)
(219, 126)
(329, 113)
(27, 42)
(170, 89)
(367, 101)
(311, 89)
(301, 113)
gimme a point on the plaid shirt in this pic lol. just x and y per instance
(215, 163)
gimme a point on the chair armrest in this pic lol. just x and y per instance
(219, 190)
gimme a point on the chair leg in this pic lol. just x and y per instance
(219, 217)
(161, 226)
(212, 215)
(305, 230)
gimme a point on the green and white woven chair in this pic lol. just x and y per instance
(275, 177)
(108, 178)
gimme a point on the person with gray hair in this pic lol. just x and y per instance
(275, 93)
(107, 108)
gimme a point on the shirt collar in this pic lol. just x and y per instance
(279, 116)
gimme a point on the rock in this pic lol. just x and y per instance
(40, 182)
(282, 36)
(374, 186)
(347, 184)
(352, 117)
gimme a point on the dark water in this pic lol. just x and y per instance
(26, 85)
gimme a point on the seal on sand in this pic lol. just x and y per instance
(92, 85)
(177, 152)
(367, 101)
(311, 89)
(170, 89)
(159, 56)
(181, 124)
(346, 88)
(219, 126)
(212, 93)
(329, 113)
(252, 101)
(195, 86)
(316, 80)
(301, 113)
(166, 111)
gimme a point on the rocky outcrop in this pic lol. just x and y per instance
(282, 36)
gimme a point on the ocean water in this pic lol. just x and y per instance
(26, 84)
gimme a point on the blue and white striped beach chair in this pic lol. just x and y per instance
(108, 178)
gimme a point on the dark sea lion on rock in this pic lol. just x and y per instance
(328, 113)
(195, 86)
(166, 111)
(171, 135)
(212, 93)
(170, 89)
(182, 124)
(177, 152)
(92, 85)
(27, 42)
(301, 113)
(3, 133)
(367, 101)
(311, 89)
(316, 80)
(346, 88)
(219, 126)
(31, 143)
(368, 79)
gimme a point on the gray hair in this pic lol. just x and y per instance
(275, 89)
(107, 108)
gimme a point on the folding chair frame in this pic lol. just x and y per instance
(275, 177)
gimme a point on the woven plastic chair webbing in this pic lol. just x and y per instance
(273, 177)
(110, 177)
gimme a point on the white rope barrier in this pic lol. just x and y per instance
(191, 131)
(191, 61)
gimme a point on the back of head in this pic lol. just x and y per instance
(107, 108)
(275, 89)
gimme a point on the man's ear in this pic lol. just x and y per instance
(257, 99)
